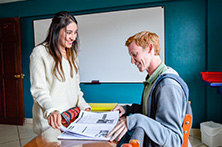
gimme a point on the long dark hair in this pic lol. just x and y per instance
(59, 21)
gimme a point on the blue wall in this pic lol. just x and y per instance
(192, 33)
(213, 57)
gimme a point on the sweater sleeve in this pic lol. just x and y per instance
(166, 129)
(39, 86)
(81, 101)
(134, 108)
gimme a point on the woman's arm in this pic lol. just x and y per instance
(81, 101)
(39, 86)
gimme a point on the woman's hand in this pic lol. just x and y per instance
(88, 109)
(120, 109)
(55, 119)
(119, 130)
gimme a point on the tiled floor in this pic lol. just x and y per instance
(17, 136)
(195, 138)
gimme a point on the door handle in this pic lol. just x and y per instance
(18, 76)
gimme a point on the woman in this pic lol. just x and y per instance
(54, 74)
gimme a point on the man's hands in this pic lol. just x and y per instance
(54, 120)
(120, 109)
(119, 130)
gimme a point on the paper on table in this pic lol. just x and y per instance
(71, 143)
(91, 126)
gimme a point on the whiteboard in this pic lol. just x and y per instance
(103, 55)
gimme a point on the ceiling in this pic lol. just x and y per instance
(9, 1)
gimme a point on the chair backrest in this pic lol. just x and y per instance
(187, 123)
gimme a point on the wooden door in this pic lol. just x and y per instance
(11, 83)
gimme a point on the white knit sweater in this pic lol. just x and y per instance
(48, 92)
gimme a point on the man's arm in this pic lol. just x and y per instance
(135, 108)
(166, 129)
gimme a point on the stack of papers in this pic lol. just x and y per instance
(91, 126)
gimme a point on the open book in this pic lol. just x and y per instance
(91, 126)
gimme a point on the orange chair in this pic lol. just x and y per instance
(186, 129)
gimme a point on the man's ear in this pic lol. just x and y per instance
(151, 47)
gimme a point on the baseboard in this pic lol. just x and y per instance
(28, 120)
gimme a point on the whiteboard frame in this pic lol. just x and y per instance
(98, 61)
